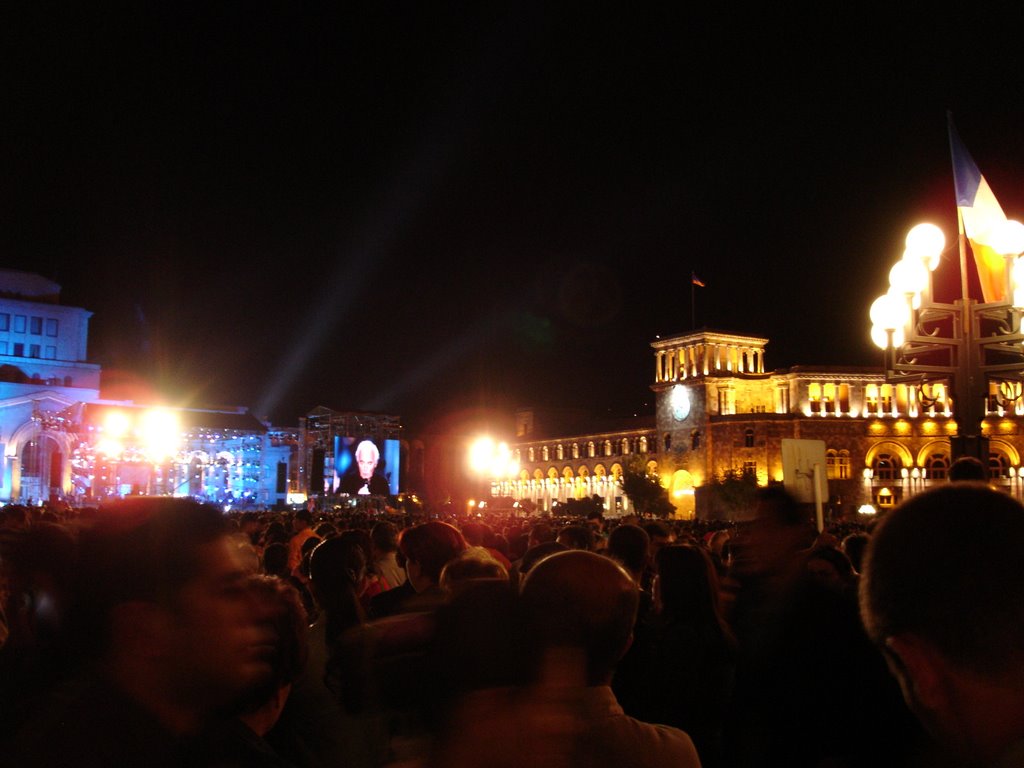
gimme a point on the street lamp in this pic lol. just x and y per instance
(492, 462)
(967, 345)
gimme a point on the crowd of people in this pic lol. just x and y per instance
(163, 632)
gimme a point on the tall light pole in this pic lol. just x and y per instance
(966, 345)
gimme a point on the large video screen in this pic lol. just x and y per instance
(364, 467)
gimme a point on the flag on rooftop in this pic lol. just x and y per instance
(696, 280)
(980, 217)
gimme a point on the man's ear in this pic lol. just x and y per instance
(921, 671)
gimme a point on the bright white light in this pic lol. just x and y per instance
(481, 454)
(926, 241)
(867, 509)
(880, 337)
(112, 449)
(889, 311)
(909, 275)
(1008, 238)
(116, 424)
(160, 433)
(500, 461)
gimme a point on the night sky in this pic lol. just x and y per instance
(411, 207)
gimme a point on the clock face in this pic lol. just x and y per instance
(679, 402)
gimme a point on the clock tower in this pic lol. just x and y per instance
(695, 379)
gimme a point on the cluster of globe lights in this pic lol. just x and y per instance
(892, 313)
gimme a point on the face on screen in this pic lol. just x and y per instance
(367, 462)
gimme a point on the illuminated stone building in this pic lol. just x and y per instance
(44, 369)
(59, 440)
(718, 411)
(556, 465)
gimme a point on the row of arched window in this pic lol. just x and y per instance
(889, 466)
(567, 473)
(591, 449)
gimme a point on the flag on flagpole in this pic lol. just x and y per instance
(694, 280)
(980, 216)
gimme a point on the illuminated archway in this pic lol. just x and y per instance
(681, 492)
(891, 448)
(934, 459)
(1001, 456)
(1005, 448)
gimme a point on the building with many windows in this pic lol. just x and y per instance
(59, 440)
(719, 412)
(44, 369)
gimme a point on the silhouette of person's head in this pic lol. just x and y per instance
(581, 602)
(427, 549)
(967, 469)
(943, 595)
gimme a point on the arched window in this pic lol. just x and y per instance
(843, 465)
(695, 440)
(668, 441)
(607, 447)
(591, 449)
(545, 454)
(559, 452)
(532, 453)
(937, 467)
(887, 467)
(642, 447)
(575, 450)
(748, 438)
(837, 464)
(625, 446)
(998, 466)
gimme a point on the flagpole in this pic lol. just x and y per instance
(693, 305)
(962, 237)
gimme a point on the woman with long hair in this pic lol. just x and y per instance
(684, 656)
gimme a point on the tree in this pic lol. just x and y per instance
(645, 491)
(732, 493)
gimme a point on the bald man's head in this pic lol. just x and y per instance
(582, 600)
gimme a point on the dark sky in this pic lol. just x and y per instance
(414, 206)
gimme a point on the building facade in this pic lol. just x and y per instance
(719, 413)
(60, 441)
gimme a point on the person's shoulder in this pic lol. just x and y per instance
(618, 739)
